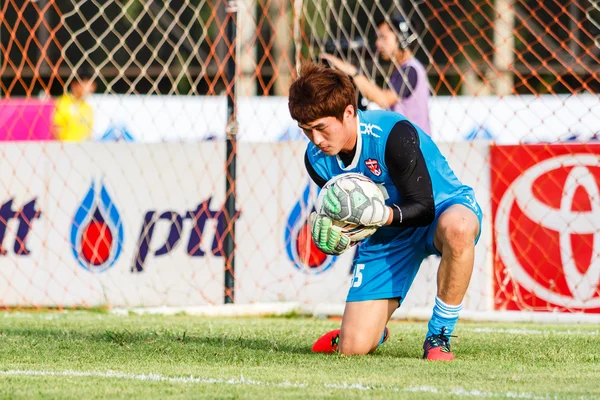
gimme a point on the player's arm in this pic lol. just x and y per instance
(408, 171)
(316, 178)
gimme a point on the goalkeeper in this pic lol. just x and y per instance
(428, 211)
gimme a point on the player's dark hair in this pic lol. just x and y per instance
(320, 92)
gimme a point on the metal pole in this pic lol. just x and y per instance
(504, 43)
(231, 155)
(575, 27)
(43, 37)
(246, 65)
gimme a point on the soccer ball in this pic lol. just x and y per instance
(351, 182)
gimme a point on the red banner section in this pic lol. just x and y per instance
(26, 119)
(546, 219)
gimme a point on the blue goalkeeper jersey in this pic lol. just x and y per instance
(387, 262)
(374, 128)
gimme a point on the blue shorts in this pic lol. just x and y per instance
(386, 263)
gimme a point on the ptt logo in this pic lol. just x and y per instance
(24, 217)
(547, 227)
(198, 217)
(299, 245)
(97, 232)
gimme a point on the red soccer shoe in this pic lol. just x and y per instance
(437, 348)
(328, 343)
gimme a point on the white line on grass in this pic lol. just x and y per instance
(244, 381)
(523, 331)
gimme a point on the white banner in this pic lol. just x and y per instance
(161, 206)
(152, 119)
(143, 193)
(516, 119)
(506, 120)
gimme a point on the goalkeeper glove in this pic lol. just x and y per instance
(355, 208)
(329, 238)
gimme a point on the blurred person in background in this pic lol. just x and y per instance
(74, 117)
(408, 89)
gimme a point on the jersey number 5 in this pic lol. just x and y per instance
(357, 279)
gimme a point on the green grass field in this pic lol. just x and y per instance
(99, 355)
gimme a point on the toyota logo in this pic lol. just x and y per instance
(564, 221)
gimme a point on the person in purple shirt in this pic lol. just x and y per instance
(408, 90)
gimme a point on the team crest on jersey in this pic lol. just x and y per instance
(373, 166)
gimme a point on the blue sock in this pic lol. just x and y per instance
(382, 337)
(444, 316)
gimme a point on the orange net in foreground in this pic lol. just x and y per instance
(135, 215)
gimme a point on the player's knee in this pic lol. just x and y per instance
(356, 344)
(458, 234)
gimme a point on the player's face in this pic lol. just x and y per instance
(387, 42)
(330, 134)
(325, 133)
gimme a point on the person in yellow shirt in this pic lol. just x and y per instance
(73, 116)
